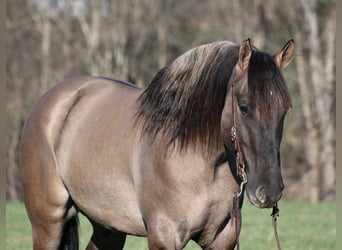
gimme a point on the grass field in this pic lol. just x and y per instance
(300, 226)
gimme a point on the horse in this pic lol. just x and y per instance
(163, 162)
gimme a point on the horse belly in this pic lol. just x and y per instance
(112, 205)
(104, 190)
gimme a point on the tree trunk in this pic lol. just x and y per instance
(322, 97)
(91, 33)
(45, 47)
(118, 39)
(14, 111)
(328, 129)
(161, 34)
(237, 29)
(311, 140)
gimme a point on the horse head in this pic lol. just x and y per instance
(256, 103)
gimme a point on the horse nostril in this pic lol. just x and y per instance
(260, 194)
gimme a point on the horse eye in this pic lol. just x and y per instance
(244, 108)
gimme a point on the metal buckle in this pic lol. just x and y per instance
(233, 133)
(238, 194)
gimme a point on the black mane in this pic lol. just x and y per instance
(184, 101)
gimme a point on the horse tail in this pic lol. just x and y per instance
(69, 239)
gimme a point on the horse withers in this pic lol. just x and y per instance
(158, 162)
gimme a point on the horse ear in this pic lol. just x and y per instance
(285, 55)
(245, 54)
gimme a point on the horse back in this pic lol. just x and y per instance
(67, 129)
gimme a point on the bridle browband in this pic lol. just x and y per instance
(241, 172)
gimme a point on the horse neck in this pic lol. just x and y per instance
(199, 153)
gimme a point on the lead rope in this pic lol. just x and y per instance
(240, 165)
(275, 215)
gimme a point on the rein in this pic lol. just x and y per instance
(240, 167)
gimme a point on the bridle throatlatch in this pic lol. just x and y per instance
(240, 168)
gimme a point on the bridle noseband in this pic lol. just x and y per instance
(241, 172)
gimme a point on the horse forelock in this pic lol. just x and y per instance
(184, 101)
(266, 85)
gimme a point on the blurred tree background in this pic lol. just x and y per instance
(50, 40)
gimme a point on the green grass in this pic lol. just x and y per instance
(300, 226)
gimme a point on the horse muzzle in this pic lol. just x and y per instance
(264, 197)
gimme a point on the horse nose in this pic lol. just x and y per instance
(261, 195)
(266, 199)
